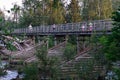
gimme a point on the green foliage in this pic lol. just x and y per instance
(42, 12)
(1, 19)
(103, 40)
(51, 41)
(10, 46)
(72, 39)
(55, 3)
(96, 9)
(7, 27)
(70, 51)
(112, 53)
(48, 66)
(116, 4)
(113, 46)
(117, 71)
(57, 12)
(31, 72)
(74, 11)
(84, 69)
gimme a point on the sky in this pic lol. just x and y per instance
(8, 4)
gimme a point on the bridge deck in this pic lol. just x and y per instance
(82, 28)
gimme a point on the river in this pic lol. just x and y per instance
(11, 74)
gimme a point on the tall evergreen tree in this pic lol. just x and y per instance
(113, 51)
(57, 12)
(74, 11)
(45, 68)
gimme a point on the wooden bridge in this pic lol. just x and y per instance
(81, 28)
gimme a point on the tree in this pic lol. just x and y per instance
(45, 68)
(96, 9)
(84, 69)
(48, 66)
(57, 12)
(113, 46)
(16, 12)
(32, 13)
(31, 72)
(2, 19)
(116, 4)
(74, 11)
(105, 10)
(98, 43)
(69, 52)
(6, 25)
(90, 8)
(42, 12)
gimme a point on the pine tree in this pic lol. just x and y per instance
(74, 11)
(57, 12)
(113, 51)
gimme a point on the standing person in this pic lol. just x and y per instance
(83, 27)
(53, 26)
(30, 27)
(90, 26)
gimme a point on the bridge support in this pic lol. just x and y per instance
(82, 43)
(78, 49)
(39, 39)
(55, 41)
(66, 38)
(47, 42)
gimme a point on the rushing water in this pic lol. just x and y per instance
(3, 63)
(10, 73)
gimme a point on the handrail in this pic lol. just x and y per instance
(97, 25)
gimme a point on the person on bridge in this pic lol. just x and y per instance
(30, 27)
(83, 27)
(54, 26)
(90, 26)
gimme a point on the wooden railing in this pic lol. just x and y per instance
(81, 27)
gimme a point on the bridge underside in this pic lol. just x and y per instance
(82, 33)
